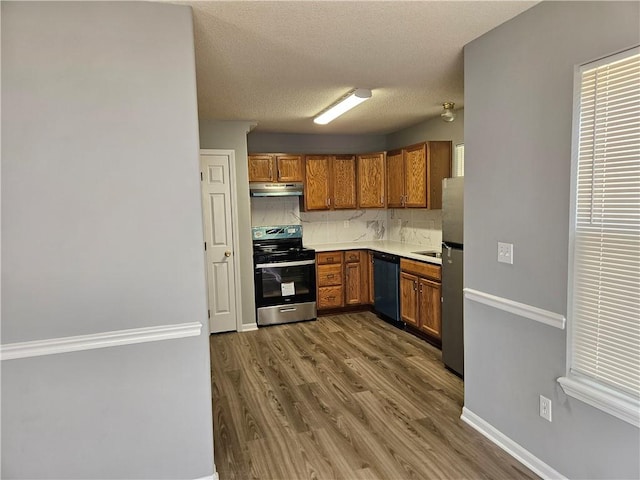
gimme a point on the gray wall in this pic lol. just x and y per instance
(102, 231)
(432, 129)
(318, 144)
(233, 136)
(518, 99)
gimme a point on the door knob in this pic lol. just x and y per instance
(227, 253)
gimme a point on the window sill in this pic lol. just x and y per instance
(622, 406)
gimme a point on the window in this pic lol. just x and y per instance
(604, 286)
(458, 161)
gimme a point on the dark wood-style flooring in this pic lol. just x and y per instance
(345, 397)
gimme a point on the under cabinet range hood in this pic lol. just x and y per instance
(275, 189)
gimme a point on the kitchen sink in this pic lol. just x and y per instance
(429, 253)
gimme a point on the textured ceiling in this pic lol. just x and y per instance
(281, 63)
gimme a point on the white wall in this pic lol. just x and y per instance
(102, 231)
(518, 104)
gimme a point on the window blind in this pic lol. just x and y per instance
(606, 262)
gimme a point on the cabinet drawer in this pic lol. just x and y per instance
(330, 297)
(427, 270)
(352, 256)
(329, 275)
(325, 258)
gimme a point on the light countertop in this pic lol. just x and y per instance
(405, 250)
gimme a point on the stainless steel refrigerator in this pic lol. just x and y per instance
(452, 266)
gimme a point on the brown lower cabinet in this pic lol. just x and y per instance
(420, 292)
(342, 278)
(329, 280)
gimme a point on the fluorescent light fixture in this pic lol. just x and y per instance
(350, 100)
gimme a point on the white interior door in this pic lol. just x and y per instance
(218, 233)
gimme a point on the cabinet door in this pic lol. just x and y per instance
(429, 294)
(344, 182)
(364, 277)
(415, 160)
(439, 167)
(395, 179)
(289, 168)
(329, 275)
(325, 258)
(316, 182)
(409, 298)
(352, 275)
(330, 297)
(371, 186)
(261, 168)
(372, 294)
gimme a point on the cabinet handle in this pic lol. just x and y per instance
(415, 286)
(331, 298)
(271, 171)
(329, 259)
(382, 199)
(330, 275)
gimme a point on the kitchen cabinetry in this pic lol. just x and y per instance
(275, 168)
(420, 292)
(330, 282)
(342, 279)
(371, 180)
(330, 182)
(372, 295)
(356, 276)
(415, 173)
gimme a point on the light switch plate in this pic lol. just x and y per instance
(505, 253)
(346, 224)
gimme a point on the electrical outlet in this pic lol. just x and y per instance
(545, 408)
(346, 224)
(505, 253)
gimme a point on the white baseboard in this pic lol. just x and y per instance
(249, 327)
(213, 476)
(512, 448)
(50, 346)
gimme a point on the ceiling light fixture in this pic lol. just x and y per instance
(448, 115)
(346, 103)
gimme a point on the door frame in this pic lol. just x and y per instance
(234, 229)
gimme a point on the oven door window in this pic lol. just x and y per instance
(286, 284)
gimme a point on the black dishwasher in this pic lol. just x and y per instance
(386, 287)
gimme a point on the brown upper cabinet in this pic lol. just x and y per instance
(329, 182)
(275, 168)
(415, 173)
(371, 185)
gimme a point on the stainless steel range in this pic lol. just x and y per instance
(285, 275)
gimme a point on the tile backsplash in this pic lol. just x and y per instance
(417, 226)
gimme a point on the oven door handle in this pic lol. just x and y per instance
(286, 264)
